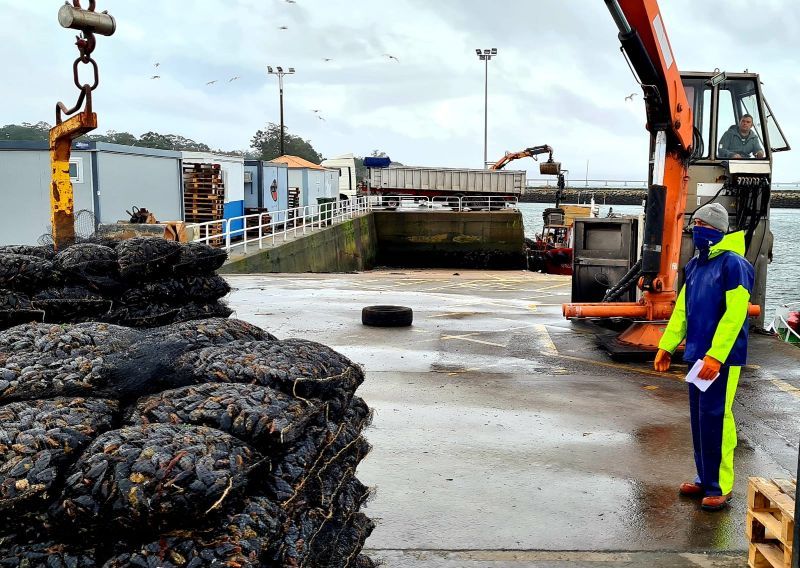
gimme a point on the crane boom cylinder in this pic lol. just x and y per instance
(618, 17)
(653, 229)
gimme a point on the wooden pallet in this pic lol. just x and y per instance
(770, 522)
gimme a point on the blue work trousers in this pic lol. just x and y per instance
(714, 431)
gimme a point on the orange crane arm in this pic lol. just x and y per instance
(526, 153)
(669, 121)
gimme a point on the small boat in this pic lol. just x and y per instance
(551, 251)
(786, 323)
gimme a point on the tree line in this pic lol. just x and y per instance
(264, 145)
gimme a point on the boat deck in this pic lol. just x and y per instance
(504, 438)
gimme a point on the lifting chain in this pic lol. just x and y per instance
(87, 24)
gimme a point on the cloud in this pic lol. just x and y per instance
(558, 79)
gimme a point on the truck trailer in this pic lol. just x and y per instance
(473, 188)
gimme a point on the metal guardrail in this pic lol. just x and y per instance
(270, 227)
(625, 184)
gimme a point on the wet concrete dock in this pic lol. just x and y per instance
(504, 438)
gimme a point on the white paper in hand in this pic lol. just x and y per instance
(692, 377)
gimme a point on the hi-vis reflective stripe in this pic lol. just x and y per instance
(729, 439)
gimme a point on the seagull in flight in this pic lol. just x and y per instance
(211, 82)
(391, 57)
(290, 2)
(156, 77)
(314, 110)
(156, 64)
(283, 28)
(319, 116)
(630, 97)
(326, 59)
(232, 79)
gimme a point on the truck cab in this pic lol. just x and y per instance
(719, 173)
(346, 164)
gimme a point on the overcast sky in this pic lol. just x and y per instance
(558, 79)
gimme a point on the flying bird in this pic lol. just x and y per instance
(630, 97)
(156, 64)
(326, 59)
(314, 110)
(290, 1)
(211, 82)
(319, 116)
(156, 77)
(391, 57)
(283, 28)
(232, 79)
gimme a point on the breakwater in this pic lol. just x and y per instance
(615, 196)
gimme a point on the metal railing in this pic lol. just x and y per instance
(268, 227)
(271, 227)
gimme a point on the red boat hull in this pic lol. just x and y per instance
(557, 261)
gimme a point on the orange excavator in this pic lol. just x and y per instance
(680, 139)
(547, 168)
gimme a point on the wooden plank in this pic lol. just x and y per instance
(772, 554)
(776, 497)
(772, 524)
(788, 486)
(755, 499)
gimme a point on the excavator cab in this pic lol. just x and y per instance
(720, 171)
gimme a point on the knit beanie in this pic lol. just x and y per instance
(715, 215)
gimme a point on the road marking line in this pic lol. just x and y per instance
(548, 347)
(786, 387)
(466, 337)
(455, 314)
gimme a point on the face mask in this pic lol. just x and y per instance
(705, 237)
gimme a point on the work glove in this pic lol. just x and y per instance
(663, 360)
(710, 369)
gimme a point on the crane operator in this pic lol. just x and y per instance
(740, 141)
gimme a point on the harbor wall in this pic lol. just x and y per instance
(347, 247)
(446, 239)
(405, 239)
(616, 196)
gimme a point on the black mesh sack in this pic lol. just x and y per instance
(195, 310)
(202, 289)
(16, 308)
(45, 555)
(27, 273)
(145, 257)
(260, 416)
(241, 540)
(38, 438)
(210, 331)
(45, 252)
(87, 259)
(199, 258)
(152, 477)
(302, 368)
(143, 315)
(47, 360)
(70, 303)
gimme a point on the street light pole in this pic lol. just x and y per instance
(280, 73)
(485, 55)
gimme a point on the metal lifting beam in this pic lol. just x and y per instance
(88, 22)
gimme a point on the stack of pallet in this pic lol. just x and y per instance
(770, 522)
(204, 197)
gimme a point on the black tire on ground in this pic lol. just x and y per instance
(387, 316)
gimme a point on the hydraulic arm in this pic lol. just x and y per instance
(669, 121)
(531, 152)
